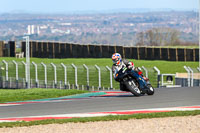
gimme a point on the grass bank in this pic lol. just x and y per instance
(164, 66)
(171, 67)
(8, 95)
(105, 118)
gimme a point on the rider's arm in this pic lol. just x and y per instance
(113, 70)
(128, 64)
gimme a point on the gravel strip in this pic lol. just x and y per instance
(188, 124)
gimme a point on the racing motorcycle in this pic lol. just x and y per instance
(132, 81)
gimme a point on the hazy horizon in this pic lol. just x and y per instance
(138, 10)
(89, 6)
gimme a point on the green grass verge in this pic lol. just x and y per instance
(105, 118)
(164, 66)
(171, 67)
(10, 95)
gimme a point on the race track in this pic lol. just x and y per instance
(113, 101)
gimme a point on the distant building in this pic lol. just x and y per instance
(29, 30)
(38, 30)
(32, 29)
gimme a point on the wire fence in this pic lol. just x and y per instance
(62, 76)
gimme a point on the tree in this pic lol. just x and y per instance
(162, 36)
(140, 37)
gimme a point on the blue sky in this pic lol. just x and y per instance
(62, 6)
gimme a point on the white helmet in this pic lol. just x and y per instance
(116, 58)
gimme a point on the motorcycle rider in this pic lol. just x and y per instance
(119, 62)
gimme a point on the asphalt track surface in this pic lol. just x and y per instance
(163, 97)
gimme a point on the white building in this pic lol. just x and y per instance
(32, 29)
(29, 30)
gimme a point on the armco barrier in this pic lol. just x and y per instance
(183, 82)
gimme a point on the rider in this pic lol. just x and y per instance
(118, 61)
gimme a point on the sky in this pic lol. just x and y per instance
(65, 6)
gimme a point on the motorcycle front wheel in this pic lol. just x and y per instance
(150, 90)
(131, 85)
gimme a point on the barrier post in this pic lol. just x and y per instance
(55, 74)
(111, 84)
(88, 81)
(27, 61)
(65, 74)
(99, 70)
(45, 74)
(17, 76)
(76, 77)
(191, 77)
(188, 71)
(36, 74)
(26, 76)
(6, 72)
(158, 76)
(146, 71)
(198, 68)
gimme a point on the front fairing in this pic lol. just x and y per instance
(139, 78)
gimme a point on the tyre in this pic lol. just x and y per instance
(132, 87)
(150, 90)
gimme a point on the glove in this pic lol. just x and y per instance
(130, 65)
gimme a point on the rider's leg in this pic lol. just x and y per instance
(139, 78)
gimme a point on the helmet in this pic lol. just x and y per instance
(116, 58)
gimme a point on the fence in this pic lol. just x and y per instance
(63, 76)
(67, 50)
(71, 76)
(191, 78)
(7, 49)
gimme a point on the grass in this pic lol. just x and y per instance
(8, 95)
(164, 66)
(105, 118)
(170, 67)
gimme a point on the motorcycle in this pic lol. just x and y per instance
(133, 82)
